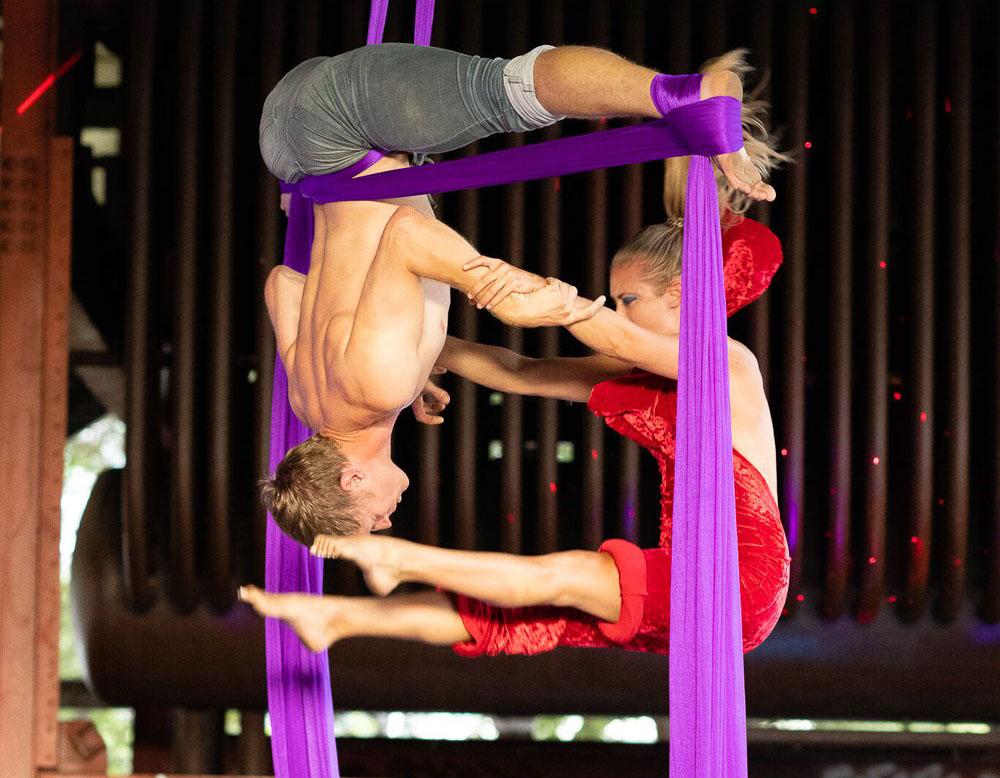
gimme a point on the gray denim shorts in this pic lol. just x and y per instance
(328, 112)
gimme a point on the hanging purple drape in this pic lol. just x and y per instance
(707, 706)
(707, 703)
(298, 681)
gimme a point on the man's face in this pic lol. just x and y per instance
(377, 503)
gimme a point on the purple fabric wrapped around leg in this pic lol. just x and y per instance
(705, 127)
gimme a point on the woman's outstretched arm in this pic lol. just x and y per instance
(612, 336)
(498, 368)
(617, 337)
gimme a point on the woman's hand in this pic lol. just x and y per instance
(431, 401)
(501, 280)
(553, 305)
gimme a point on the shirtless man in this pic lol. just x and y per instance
(360, 334)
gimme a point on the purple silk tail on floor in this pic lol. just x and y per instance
(707, 702)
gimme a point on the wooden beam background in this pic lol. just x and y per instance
(34, 292)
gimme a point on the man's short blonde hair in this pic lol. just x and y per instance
(305, 496)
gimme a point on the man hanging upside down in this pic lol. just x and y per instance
(360, 333)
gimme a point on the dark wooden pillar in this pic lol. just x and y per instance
(34, 300)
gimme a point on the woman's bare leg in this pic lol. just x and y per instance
(427, 617)
(565, 84)
(585, 580)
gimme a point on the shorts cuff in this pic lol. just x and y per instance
(519, 85)
(475, 617)
(631, 564)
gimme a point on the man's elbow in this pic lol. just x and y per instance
(403, 225)
(272, 288)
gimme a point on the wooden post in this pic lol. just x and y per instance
(55, 378)
(34, 290)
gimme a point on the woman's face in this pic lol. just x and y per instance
(642, 303)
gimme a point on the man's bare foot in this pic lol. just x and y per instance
(736, 165)
(316, 620)
(378, 557)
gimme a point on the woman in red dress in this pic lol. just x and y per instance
(492, 603)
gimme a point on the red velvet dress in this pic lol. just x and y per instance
(643, 407)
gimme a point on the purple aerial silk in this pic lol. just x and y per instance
(707, 702)
(298, 681)
(697, 128)
(707, 705)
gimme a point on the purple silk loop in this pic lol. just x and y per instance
(669, 92)
(707, 127)
(707, 702)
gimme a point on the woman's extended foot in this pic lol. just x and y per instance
(318, 621)
(736, 165)
(379, 557)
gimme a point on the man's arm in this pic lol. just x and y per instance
(283, 295)
(430, 249)
(506, 371)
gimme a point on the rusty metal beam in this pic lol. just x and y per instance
(184, 454)
(956, 498)
(917, 541)
(875, 442)
(140, 382)
(793, 400)
(220, 358)
(840, 311)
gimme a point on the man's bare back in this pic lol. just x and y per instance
(359, 335)
(358, 321)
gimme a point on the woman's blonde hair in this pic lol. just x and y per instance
(761, 145)
(657, 248)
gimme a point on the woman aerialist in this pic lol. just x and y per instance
(618, 596)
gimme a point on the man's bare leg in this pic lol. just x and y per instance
(427, 617)
(585, 580)
(566, 85)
